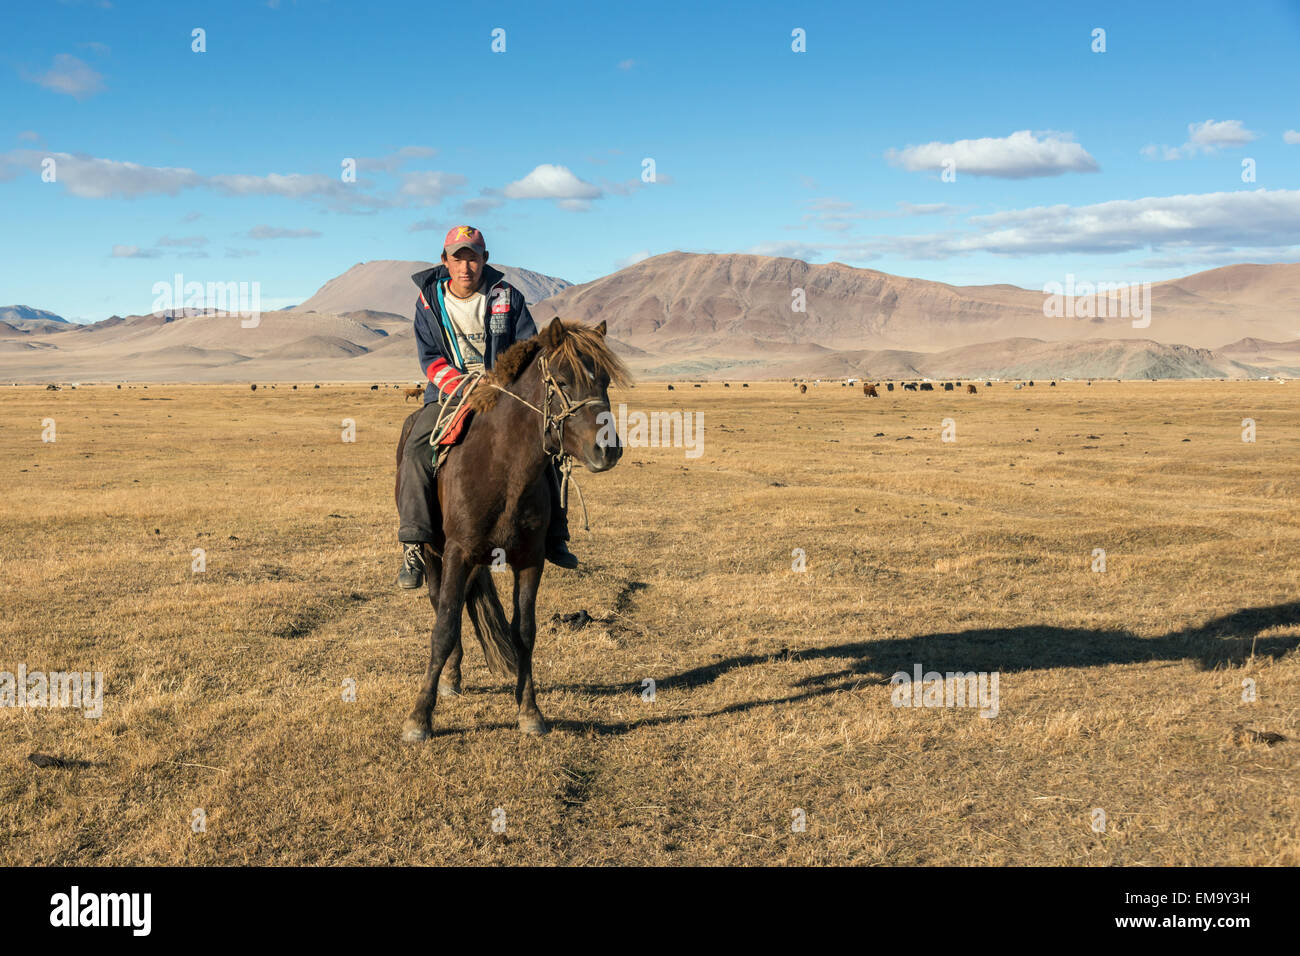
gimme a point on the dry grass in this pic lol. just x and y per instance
(223, 689)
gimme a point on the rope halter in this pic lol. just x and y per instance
(566, 408)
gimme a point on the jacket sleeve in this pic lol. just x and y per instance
(428, 343)
(525, 327)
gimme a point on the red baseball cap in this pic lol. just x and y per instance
(464, 237)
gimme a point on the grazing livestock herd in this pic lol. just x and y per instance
(869, 389)
(872, 389)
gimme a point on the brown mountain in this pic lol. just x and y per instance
(702, 305)
(716, 316)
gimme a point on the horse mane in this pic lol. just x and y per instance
(579, 342)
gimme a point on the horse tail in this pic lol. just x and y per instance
(490, 625)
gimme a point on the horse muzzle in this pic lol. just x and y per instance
(599, 458)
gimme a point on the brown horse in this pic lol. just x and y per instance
(546, 395)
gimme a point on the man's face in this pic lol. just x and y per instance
(466, 268)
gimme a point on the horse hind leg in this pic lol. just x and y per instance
(523, 629)
(449, 681)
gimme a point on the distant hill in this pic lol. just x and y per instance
(682, 303)
(26, 319)
(1282, 357)
(1018, 358)
(385, 285)
(681, 315)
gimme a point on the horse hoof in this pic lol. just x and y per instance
(448, 690)
(413, 733)
(532, 726)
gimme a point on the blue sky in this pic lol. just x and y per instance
(226, 165)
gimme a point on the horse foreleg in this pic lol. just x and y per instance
(445, 637)
(449, 684)
(523, 631)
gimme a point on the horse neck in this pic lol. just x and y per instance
(522, 425)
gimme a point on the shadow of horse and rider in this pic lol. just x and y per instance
(1228, 640)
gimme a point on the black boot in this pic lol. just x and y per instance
(412, 573)
(557, 551)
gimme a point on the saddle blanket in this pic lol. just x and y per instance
(456, 429)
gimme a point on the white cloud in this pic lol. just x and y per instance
(134, 252)
(477, 207)
(1227, 225)
(1152, 151)
(1291, 136)
(1211, 135)
(91, 178)
(393, 161)
(632, 260)
(1022, 155)
(808, 252)
(626, 64)
(839, 215)
(1207, 137)
(551, 182)
(1210, 259)
(70, 76)
(291, 186)
(183, 241)
(1252, 218)
(429, 188)
(275, 232)
(316, 187)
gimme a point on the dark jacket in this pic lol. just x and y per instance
(507, 321)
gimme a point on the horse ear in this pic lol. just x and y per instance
(553, 333)
(601, 328)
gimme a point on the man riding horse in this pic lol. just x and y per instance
(467, 315)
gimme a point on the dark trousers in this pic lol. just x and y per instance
(417, 506)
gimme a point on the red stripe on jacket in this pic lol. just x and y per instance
(449, 381)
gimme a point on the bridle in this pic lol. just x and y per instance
(552, 420)
(568, 407)
(556, 420)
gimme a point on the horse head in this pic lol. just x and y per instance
(577, 369)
